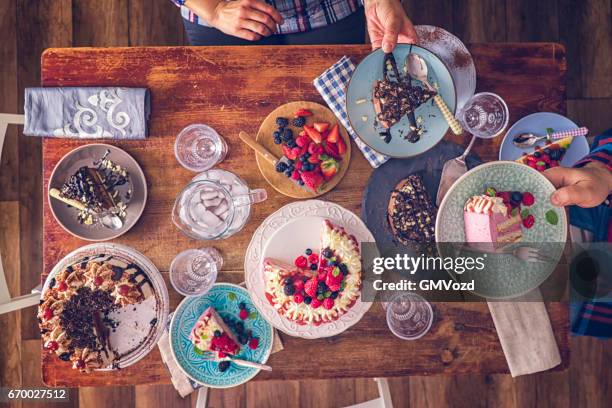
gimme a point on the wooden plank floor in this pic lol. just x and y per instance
(27, 27)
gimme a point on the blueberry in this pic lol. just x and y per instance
(276, 134)
(516, 197)
(223, 366)
(307, 155)
(328, 253)
(307, 300)
(313, 267)
(547, 151)
(303, 158)
(239, 327)
(301, 182)
(555, 154)
(288, 173)
(334, 295)
(288, 281)
(537, 154)
(291, 143)
(226, 320)
(287, 134)
(64, 356)
(52, 282)
(282, 121)
(343, 268)
(308, 251)
(242, 305)
(217, 333)
(321, 287)
(243, 338)
(289, 290)
(290, 162)
(307, 166)
(281, 167)
(277, 140)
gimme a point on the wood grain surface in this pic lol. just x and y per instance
(217, 86)
(279, 181)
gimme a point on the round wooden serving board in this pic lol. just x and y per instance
(279, 181)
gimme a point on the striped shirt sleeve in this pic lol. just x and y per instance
(601, 150)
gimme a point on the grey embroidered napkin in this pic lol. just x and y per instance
(87, 112)
(183, 384)
(525, 334)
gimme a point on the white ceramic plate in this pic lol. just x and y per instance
(298, 221)
(129, 333)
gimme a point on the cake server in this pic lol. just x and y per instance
(525, 140)
(452, 170)
(210, 356)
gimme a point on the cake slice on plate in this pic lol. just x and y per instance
(487, 221)
(210, 333)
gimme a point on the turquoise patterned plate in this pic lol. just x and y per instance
(224, 297)
(360, 109)
(505, 276)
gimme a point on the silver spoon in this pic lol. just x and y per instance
(525, 140)
(417, 67)
(110, 220)
(452, 170)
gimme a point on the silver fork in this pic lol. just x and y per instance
(212, 356)
(529, 254)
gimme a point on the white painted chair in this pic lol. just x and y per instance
(384, 401)
(8, 304)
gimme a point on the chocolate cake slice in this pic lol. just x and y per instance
(411, 214)
(86, 186)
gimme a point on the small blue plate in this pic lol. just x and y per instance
(224, 297)
(537, 123)
(360, 87)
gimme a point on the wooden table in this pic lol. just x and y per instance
(232, 89)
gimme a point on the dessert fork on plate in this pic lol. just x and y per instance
(528, 254)
(212, 356)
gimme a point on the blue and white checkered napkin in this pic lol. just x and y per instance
(332, 84)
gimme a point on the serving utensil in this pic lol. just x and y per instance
(452, 170)
(417, 67)
(210, 356)
(528, 139)
(106, 218)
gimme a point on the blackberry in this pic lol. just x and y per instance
(343, 268)
(313, 267)
(288, 173)
(241, 305)
(289, 290)
(288, 281)
(328, 253)
(516, 197)
(291, 143)
(239, 327)
(334, 295)
(217, 333)
(243, 338)
(281, 167)
(277, 140)
(307, 300)
(555, 154)
(321, 287)
(308, 250)
(276, 134)
(223, 366)
(287, 135)
(282, 122)
(299, 121)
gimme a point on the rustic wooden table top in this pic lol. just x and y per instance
(232, 89)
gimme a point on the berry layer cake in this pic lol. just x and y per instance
(73, 313)
(210, 333)
(320, 287)
(487, 220)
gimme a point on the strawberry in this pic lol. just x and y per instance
(332, 282)
(301, 262)
(253, 343)
(323, 262)
(310, 288)
(62, 286)
(312, 179)
(314, 159)
(529, 221)
(322, 275)
(331, 149)
(328, 303)
(297, 165)
(295, 175)
(313, 258)
(329, 168)
(298, 298)
(528, 198)
(321, 126)
(315, 303)
(244, 314)
(302, 140)
(315, 148)
(296, 151)
(302, 112)
(288, 152)
(341, 146)
(313, 134)
(334, 134)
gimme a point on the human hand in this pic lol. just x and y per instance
(586, 187)
(247, 19)
(388, 24)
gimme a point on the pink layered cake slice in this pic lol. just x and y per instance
(210, 333)
(487, 220)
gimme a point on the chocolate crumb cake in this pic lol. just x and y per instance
(411, 214)
(73, 313)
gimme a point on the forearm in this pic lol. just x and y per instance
(205, 9)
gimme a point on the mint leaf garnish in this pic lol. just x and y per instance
(524, 213)
(552, 217)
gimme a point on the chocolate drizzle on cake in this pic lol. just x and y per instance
(411, 214)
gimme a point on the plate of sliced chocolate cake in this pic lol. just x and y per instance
(394, 113)
(93, 181)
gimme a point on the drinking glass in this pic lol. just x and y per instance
(199, 148)
(485, 115)
(194, 271)
(409, 316)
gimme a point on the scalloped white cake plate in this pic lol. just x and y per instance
(299, 221)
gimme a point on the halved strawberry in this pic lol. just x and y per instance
(341, 146)
(297, 165)
(321, 126)
(295, 175)
(331, 149)
(314, 159)
(302, 140)
(302, 112)
(313, 134)
(334, 134)
(288, 152)
(296, 151)
(312, 179)
(315, 148)
(329, 168)
(310, 288)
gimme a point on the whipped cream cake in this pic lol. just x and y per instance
(210, 333)
(487, 220)
(324, 292)
(73, 313)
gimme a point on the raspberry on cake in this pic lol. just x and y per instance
(73, 312)
(210, 333)
(487, 220)
(319, 294)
